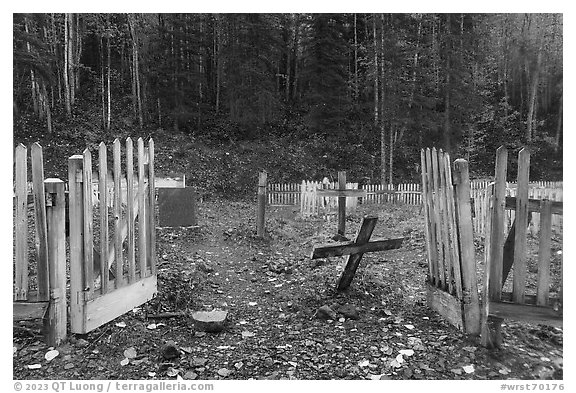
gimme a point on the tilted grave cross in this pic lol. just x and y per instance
(356, 250)
(341, 192)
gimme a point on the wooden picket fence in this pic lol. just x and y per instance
(506, 252)
(39, 284)
(112, 246)
(107, 276)
(313, 205)
(452, 288)
(410, 193)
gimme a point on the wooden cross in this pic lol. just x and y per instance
(341, 192)
(356, 250)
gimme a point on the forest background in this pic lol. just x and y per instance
(300, 95)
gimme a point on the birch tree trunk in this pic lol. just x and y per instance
(136, 71)
(559, 127)
(376, 116)
(66, 67)
(33, 82)
(533, 94)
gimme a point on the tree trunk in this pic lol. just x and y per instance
(108, 89)
(102, 84)
(66, 68)
(559, 127)
(382, 154)
(33, 82)
(136, 71)
(46, 106)
(355, 59)
(533, 94)
(447, 127)
(376, 71)
(391, 164)
(72, 61)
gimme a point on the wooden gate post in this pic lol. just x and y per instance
(342, 204)
(75, 208)
(471, 305)
(56, 233)
(260, 219)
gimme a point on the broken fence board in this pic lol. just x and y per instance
(347, 248)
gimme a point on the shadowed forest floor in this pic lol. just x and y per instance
(272, 290)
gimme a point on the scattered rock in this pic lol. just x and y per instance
(81, 343)
(268, 362)
(190, 375)
(325, 312)
(68, 366)
(170, 350)
(198, 362)
(223, 372)
(349, 311)
(210, 321)
(204, 266)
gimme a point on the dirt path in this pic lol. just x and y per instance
(272, 291)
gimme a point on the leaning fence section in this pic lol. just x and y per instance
(112, 245)
(39, 281)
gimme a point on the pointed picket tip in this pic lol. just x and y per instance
(86, 153)
(36, 145)
(129, 140)
(524, 152)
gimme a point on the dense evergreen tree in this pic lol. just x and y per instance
(387, 84)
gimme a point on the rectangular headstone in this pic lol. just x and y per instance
(177, 207)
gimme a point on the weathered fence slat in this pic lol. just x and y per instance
(151, 215)
(118, 236)
(519, 279)
(88, 237)
(103, 188)
(142, 210)
(452, 227)
(543, 282)
(75, 208)
(130, 211)
(495, 250)
(40, 223)
(444, 223)
(56, 238)
(21, 221)
(427, 230)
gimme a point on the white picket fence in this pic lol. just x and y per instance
(327, 207)
(304, 194)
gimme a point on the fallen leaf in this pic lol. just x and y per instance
(409, 327)
(252, 303)
(470, 349)
(293, 364)
(363, 363)
(68, 366)
(130, 353)
(121, 324)
(186, 349)
(456, 371)
(124, 362)
(246, 334)
(388, 312)
(190, 375)
(51, 355)
(14, 350)
(468, 369)
(504, 371)
(152, 326)
(406, 352)
(400, 359)
(223, 372)
(33, 366)
(151, 374)
(394, 363)
(172, 372)
(238, 365)
(242, 322)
